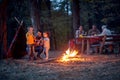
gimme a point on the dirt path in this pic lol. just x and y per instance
(93, 67)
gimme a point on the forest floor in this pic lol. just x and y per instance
(86, 67)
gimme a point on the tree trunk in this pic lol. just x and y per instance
(67, 7)
(3, 30)
(76, 14)
(52, 37)
(35, 14)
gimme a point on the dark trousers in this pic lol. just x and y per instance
(39, 49)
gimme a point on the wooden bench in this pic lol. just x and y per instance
(95, 43)
(112, 42)
(89, 42)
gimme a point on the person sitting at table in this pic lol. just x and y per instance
(79, 32)
(105, 30)
(108, 45)
(93, 31)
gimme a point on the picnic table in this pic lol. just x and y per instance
(99, 41)
(88, 40)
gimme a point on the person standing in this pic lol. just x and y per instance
(30, 43)
(46, 44)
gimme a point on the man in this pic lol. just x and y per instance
(93, 31)
(39, 44)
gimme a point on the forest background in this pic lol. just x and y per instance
(60, 17)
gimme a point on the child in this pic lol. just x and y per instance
(46, 42)
(30, 43)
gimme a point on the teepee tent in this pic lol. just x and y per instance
(17, 47)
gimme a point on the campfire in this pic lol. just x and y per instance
(69, 54)
(72, 56)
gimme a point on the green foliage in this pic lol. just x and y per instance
(19, 9)
(59, 18)
(100, 12)
(61, 24)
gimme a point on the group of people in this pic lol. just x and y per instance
(40, 43)
(93, 31)
(37, 44)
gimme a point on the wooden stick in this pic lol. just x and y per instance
(14, 39)
(17, 20)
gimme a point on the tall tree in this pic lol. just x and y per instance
(76, 14)
(3, 28)
(35, 13)
(52, 31)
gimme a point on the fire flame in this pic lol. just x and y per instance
(69, 53)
